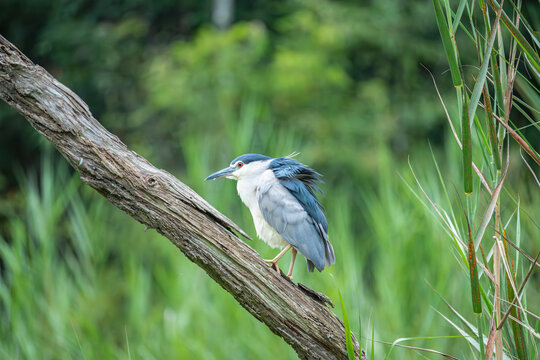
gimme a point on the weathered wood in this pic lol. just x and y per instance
(159, 200)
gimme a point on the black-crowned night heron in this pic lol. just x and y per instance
(280, 193)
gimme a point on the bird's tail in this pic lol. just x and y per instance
(329, 256)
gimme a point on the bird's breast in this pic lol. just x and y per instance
(247, 190)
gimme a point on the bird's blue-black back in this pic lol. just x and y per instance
(301, 182)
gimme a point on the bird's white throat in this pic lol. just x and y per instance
(247, 188)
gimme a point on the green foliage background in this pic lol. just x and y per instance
(340, 82)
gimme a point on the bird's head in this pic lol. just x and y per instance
(243, 166)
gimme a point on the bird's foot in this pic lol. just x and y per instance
(279, 256)
(273, 264)
(289, 274)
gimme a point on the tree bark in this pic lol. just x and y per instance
(160, 201)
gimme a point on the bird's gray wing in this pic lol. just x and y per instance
(287, 216)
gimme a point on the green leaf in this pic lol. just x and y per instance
(481, 79)
(348, 337)
(459, 12)
(448, 44)
(492, 131)
(373, 337)
(473, 273)
(531, 54)
(467, 149)
(360, 330)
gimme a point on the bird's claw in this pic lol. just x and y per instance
(273, 264)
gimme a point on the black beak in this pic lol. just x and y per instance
(221, 173)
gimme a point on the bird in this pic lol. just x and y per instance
(281, 195)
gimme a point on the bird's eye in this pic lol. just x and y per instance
(240, 164)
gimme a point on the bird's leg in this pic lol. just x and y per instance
(294, 251)
(278, 256)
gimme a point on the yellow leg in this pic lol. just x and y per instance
(278, 256)
(293, 258)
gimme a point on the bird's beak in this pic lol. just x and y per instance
(221, 173)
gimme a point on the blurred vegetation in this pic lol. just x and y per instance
(339, 81)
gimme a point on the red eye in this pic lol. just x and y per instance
(240, 164)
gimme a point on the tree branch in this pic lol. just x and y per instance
(159, 200)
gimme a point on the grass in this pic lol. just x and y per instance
(80, 279)
(517, 338)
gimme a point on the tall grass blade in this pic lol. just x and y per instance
(494, 65)
(530, 169)
(459, 13)
(512, 304)
(463, 333)
(531, 54)
(491, 208)
(520, 141)
(517, 331)
(524, 21)
(497, 298)
(529, 329)
(473, 273)
(467, 149)
(397, 342)
(360, 330)
(476, 169)
(475, 287)
(448, 44)
(481, 79)
(348, 337)
(506, 240)
(373, 337)
(127, 343)
(480, 333)
(78, 341)
(492, 131)
(499, 99)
